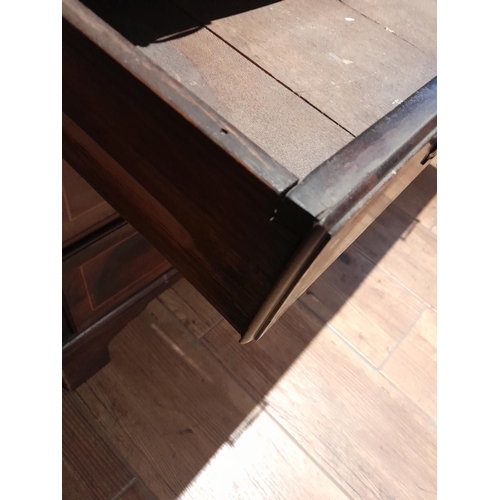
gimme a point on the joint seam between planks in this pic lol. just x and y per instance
(238, 51)
(378, 263)
(374, 367)
(111, 443)
(125, 488)
(400, 340)
(381, 25)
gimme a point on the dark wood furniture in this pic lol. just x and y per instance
(174, 113)
(110, 273)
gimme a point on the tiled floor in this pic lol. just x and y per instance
(337, 401)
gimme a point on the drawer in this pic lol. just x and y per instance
(249, 210)
(83, 210)
(107, 272)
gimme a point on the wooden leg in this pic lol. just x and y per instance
(86, 353)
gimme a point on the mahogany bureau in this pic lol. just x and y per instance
(248, 143)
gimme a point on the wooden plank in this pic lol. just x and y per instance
(190, 307)
(364, 304)
(180, 174)
(188, 427)
(72, 487)
(88, 453)
(367, 435)
(273, 117)
(412, 259)
(413, 21)
(412, 367)
(353, 71)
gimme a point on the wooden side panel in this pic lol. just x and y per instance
(100, 277)
(197, 189)
(83, 210)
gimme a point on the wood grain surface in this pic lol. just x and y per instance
(99, 277)
(198, 416)
(173, 410)
(415, 22)
(92, 469)
(340, 61)
(275, 118)
(412, 367)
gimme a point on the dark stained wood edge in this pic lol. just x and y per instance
(89, 231)
(85, 354)
(92, 238)
(349, 191)
(360, 165)
(171, 94)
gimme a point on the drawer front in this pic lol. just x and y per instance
(109, 271)
(83, 210)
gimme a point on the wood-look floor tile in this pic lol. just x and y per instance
(89, 454)
(412, 367)
(136, 491)
(401, 246)
(368, 435)
(190, 307)
(187, 427)
(364, 304)
(72, 487)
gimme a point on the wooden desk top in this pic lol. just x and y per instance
(300, 78)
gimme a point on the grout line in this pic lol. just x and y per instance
(101, 431)
(314, 460)
(398, 343)
(426, 414)
(180, 323)
(124, 489)
(382, 268)
(372, 365)
(121, 457)
(344, 340)
(218, 322)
